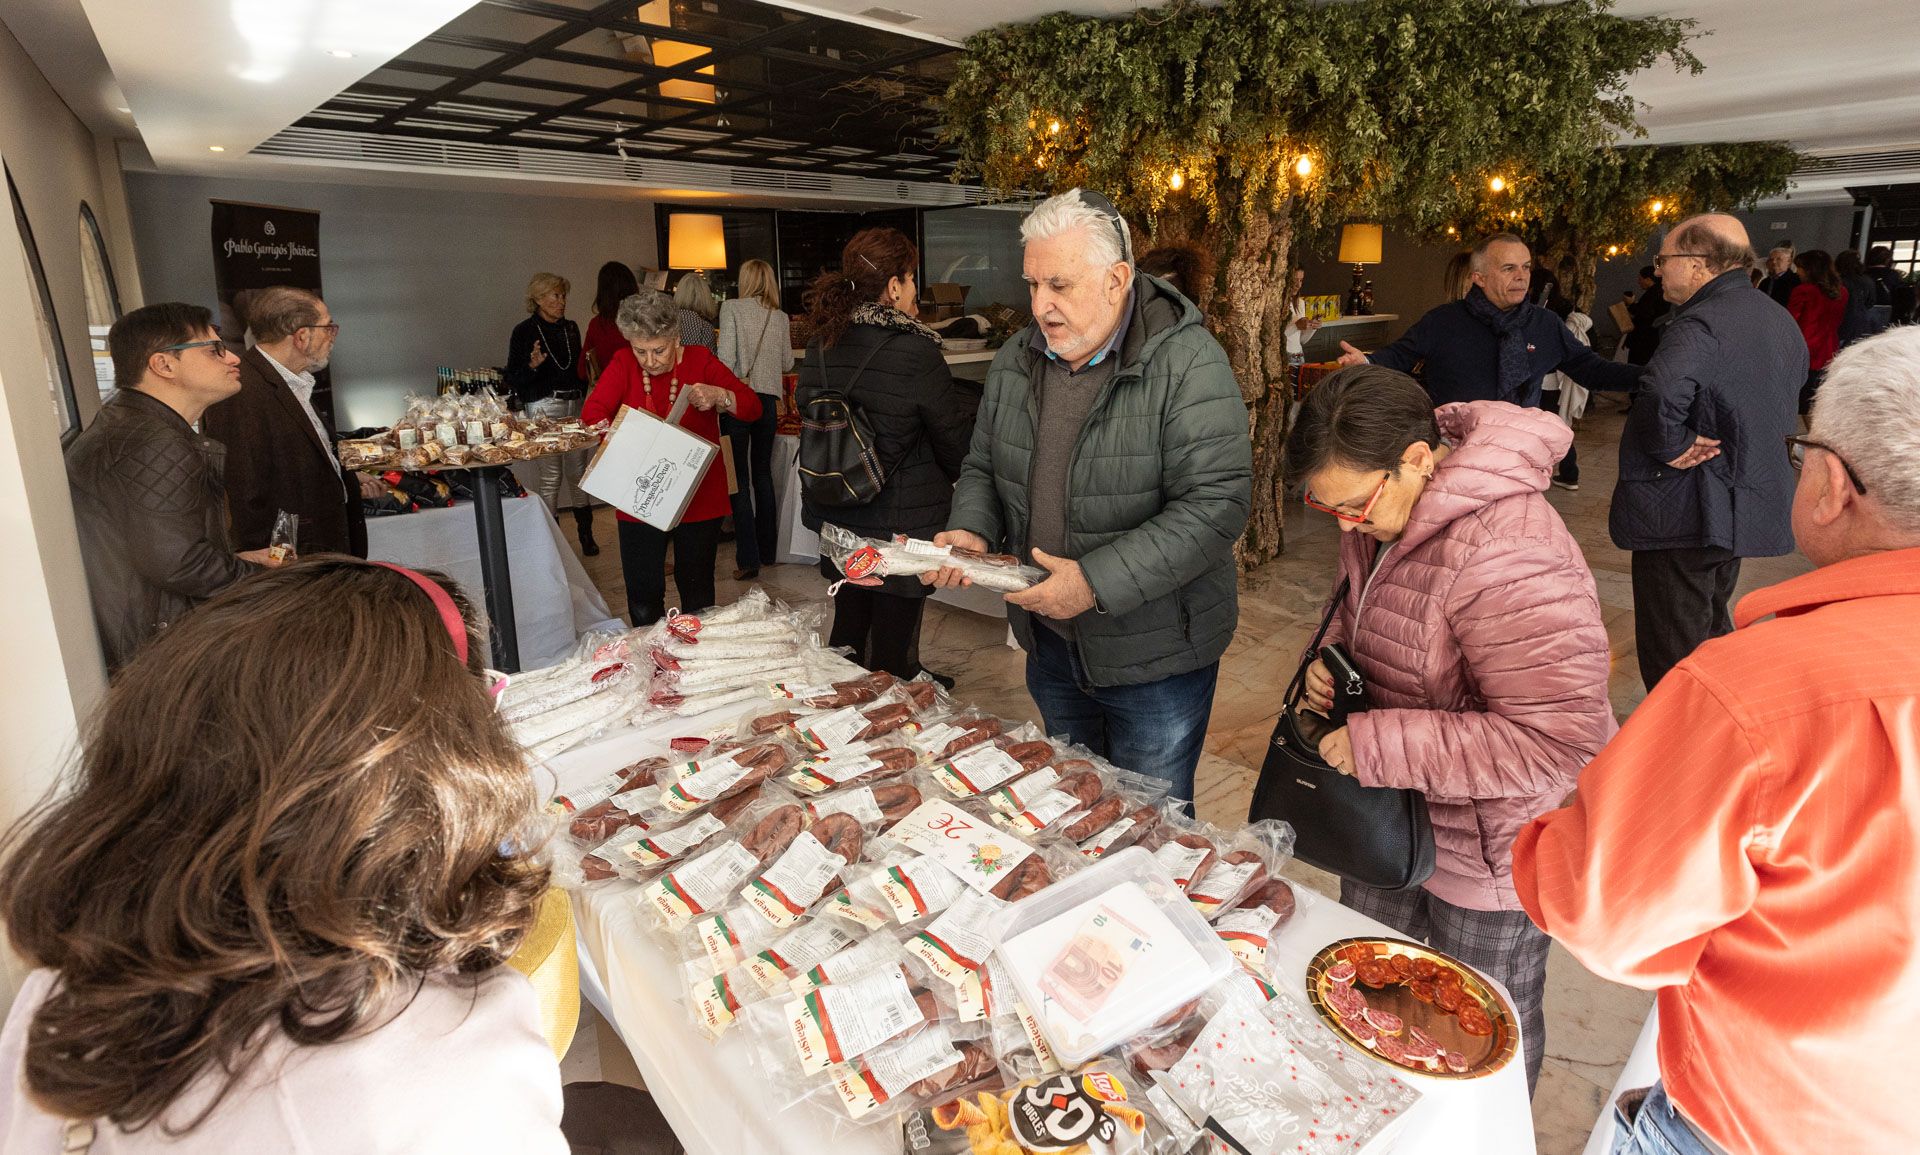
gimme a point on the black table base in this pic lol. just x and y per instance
(490, 525)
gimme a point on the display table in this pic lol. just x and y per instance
(709, 1092)
(553, 601)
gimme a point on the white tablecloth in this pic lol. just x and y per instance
(707, 1091)
(554, 601)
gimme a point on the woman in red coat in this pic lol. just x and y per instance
(651, 373)
(1818, 304)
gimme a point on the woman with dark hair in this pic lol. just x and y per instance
(650, 374)
(1646, 312)
(270, 910)
(1182, 266)
(1472, 614)
(1859, 320)
(868, 346)
(604, 342)
(1818, 304)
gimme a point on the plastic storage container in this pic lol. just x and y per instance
(1108, 952)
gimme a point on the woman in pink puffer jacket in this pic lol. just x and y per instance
(1472, 615)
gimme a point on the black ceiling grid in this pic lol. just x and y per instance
(790, 91)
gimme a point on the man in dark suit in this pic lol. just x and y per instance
(1780, 280)
(1704, 474)
(280, 454)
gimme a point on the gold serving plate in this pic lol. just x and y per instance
(1485, 1053)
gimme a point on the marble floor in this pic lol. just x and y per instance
(1591, 1024)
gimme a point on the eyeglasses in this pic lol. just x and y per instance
(218, 347)
(1366, 511)
(1797, 455)
(332, 327)
(1663, 258)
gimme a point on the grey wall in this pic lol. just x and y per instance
(416, 278)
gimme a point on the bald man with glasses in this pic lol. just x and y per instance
(149, 499)
(1702, 481)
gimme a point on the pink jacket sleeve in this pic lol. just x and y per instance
(1537, 653)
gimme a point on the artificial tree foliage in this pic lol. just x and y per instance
(1400, 108)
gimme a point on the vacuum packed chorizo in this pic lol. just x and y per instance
(771, 836)
(1031, 876)
(1104, 813)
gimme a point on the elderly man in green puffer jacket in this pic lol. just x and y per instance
(1112, 448)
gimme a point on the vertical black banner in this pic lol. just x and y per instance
(256, 247)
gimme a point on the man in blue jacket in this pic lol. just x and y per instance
(1494, 345)
(1704, 475)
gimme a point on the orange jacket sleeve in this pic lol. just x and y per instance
(1652, 855)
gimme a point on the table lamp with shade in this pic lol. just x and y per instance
(696, 241)
(1359, 247)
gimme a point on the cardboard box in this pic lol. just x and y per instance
(945, 300)
(649, 468)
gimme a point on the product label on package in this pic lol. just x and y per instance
(1245, 931)
(795, 881)
(850, 963)
(667, 845)
(1180, 859)
(796, 951)
(1097, 846)
(719, 941)
(818, 775)
(1017, 796)
(837, 1023)
(917, 888)
(408, 436)
(841, 904)
(923, 548)
(956, 945)
(714, 1005)
(800, 691)
(864, 1086)
(972, 849)
(858, 803)
(1036, 1038)
(1046, 810)
(700, 885)
(705, 782)
(981, 768)
(1222, 885)
(586, 796)
(833, 729)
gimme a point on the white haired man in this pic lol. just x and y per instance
(1112, 448)
(1749, 844)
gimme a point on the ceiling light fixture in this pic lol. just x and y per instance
(339, 54)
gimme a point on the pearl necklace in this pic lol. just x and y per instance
(546, 342)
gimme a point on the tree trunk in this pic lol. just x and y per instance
(1249, 315)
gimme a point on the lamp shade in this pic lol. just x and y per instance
(1359, 244)
(697, 241)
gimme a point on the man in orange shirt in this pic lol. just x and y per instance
(1749, 844)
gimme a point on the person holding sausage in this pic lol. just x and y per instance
(651, 373)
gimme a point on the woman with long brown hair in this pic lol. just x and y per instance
(868, 345)
(269, 911)
(1818, 304)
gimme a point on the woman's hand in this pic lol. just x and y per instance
(537, 356)
(708, 397)
(1319, 687)
(1337, 749)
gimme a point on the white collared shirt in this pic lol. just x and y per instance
(302, 386)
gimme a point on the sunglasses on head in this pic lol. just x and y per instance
(1104, 207)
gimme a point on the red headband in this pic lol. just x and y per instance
(442, 601)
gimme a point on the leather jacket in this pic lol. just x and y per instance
(151, 510)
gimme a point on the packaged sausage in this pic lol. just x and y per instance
(866, 560)
(1252, 925)
(984, 765)
(792, 954)
(866, 761)
(953, 948)
(1250, 857)
(805, 871)
(953, 735)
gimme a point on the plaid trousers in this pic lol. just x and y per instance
(1502, 943)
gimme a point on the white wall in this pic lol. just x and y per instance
(47, 639)
(416, 278)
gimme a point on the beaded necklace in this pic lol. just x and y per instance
(673, 380)
(566, 341)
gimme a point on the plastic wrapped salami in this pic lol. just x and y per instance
(1250, 857)
(865, 561)
(955, 734)
(1262, 914)
(939, 1063)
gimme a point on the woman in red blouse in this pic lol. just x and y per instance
(615, 284)
(651, 373)
(1818, 304)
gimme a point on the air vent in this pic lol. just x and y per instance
(889, 16)
(364, 150)
(1863, 163)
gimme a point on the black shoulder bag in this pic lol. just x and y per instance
(1375, 836)
(839, 461)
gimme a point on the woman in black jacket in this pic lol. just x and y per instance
(868, 345)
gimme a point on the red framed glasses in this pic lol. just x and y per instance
(1366, 511)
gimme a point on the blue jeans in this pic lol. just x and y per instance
(756, 516)
(1156, 728)
(1656, 1129)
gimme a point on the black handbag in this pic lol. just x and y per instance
(1375, 836)
(839, 460)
